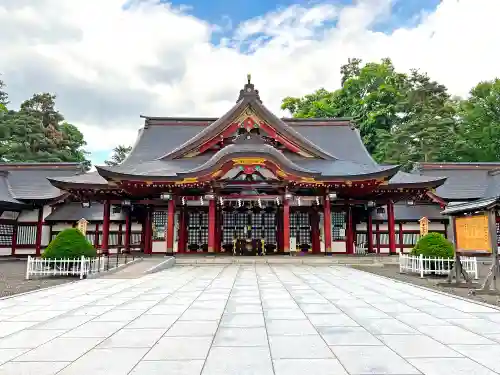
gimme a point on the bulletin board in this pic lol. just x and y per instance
(472, 234)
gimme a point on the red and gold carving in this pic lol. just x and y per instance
(248, 169)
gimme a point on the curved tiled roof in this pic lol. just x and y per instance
(29, 181)
(6, 195)
(403, 179)
(249, 150)
(249, 97)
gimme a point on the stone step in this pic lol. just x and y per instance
(345, 260)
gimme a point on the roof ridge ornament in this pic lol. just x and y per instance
(249, 92)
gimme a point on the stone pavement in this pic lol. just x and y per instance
(247, 320)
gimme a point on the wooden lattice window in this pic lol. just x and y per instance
(6, 233)
(160, 219)
(338, 226)
(26, 234)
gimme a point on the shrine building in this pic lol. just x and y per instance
(245, 183)
(248, 182)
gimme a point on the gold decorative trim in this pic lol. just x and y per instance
(280, 173)
(187, 180)
(249, 161)
(247, 112)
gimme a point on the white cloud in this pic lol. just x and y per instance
(108, 65)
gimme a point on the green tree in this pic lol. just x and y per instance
(69, 244)
(402, 118)
(120, 153)
(425, 128)
(38, 133)
(480, 122)
(370, 95)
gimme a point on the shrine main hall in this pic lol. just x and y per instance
(247, 182)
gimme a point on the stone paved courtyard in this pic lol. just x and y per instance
(247, 320)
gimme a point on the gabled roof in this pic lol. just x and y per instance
(162, 135)
(90, 179)
(464, 181)
(245, 147)
(28, 181)
(248, 99)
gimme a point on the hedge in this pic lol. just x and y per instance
(69, 244)
(434, 245)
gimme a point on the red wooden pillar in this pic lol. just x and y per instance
(315, 243)
(218, 230)
(170, 226)
(279, 229)
(105, 227)
(182, 230)
(96, 237)
(120, 236)
(401, 245)
(148, 235)
(212, 208)
(286, 225)
(39, 228)
(327, 222)
(350, 232)
(377, 235)
(14, 239)
(392, 227)
(127, 231)
(369, 232)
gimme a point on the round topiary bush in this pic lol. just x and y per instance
(69, 244)
(434, 245)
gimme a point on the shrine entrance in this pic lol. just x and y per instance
(249, 229)
(301, 230)
(197, 229)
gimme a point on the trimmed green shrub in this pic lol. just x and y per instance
(434, 245)
(69, 244)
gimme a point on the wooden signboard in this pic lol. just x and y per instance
(81, 225)
(472, 234)
(424, 226)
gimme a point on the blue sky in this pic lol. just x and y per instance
(229, 14)
(233, 12)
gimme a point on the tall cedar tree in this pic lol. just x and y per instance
(480, 121)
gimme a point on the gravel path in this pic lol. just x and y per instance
(12, 274)
(392, 271)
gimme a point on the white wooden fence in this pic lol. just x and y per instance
(438, 266)
(65, 267)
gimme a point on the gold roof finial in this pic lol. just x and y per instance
(249, 78)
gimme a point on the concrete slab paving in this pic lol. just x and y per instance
(247, 319)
